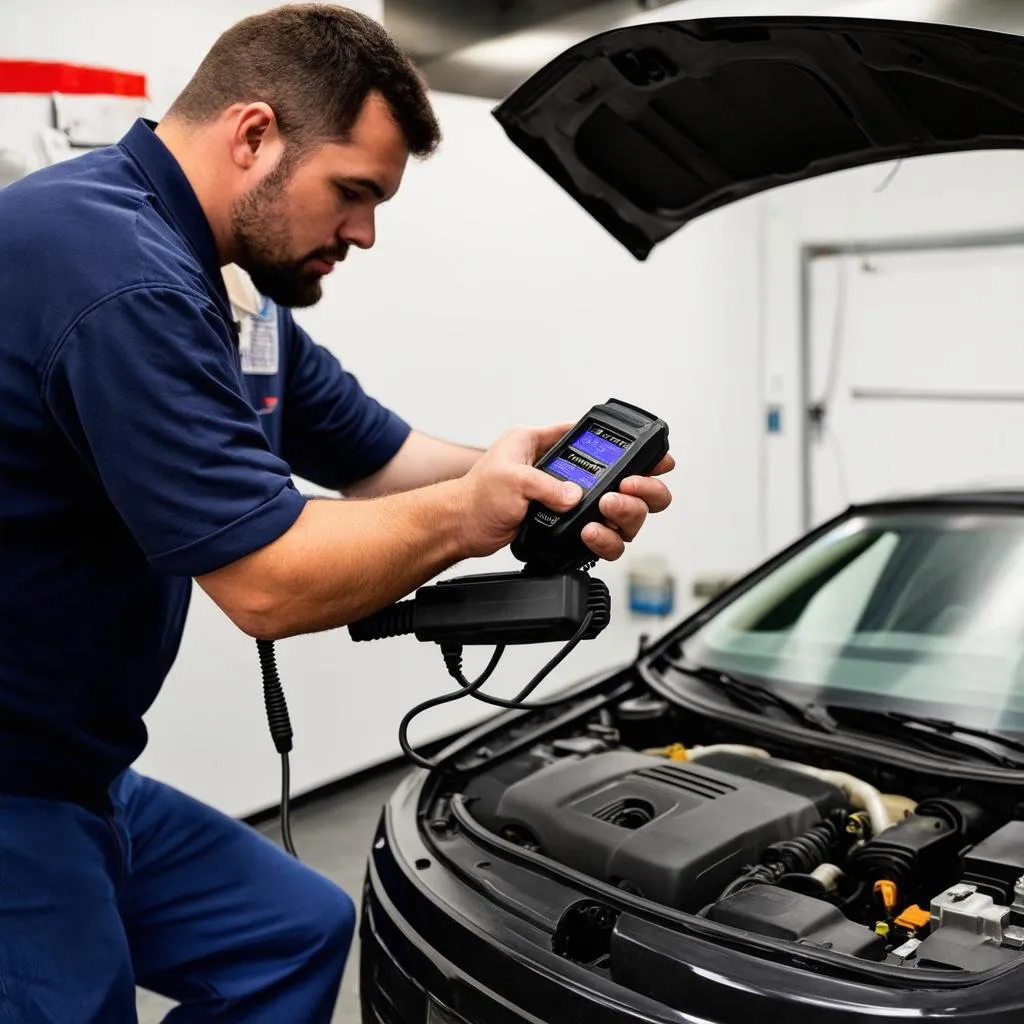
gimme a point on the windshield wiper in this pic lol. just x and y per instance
(951, 734)
(757, 696)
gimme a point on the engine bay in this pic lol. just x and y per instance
(766, 844)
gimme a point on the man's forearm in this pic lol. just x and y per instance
(341, 561)
(420, 462)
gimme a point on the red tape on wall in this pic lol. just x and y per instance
(32, 76)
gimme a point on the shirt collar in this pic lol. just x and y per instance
(242, 294)
(179, 201)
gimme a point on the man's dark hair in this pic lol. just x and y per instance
(314, 65)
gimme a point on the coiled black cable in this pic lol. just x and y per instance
(280, 730)
(396, 620)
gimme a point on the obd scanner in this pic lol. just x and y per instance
(613, 441)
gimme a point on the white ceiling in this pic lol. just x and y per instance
(496, 66)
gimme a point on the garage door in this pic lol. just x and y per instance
(915, 371)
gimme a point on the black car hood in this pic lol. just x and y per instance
(651, 126)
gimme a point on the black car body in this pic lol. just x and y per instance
(807, 799)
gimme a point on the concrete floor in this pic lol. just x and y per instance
(334, 837)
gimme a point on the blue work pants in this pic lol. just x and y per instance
(168, 894)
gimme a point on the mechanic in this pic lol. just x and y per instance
(146, 441)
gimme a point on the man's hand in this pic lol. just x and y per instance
(626, 510)
(497, 491)
(501, 485)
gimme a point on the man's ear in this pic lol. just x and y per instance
(254, 136)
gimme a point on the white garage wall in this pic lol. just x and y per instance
(483, 272)
(953, 195)
(165, 39)
(490, 299)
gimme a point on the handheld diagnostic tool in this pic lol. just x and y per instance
(613, 441)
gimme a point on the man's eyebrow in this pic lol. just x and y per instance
(368, 183)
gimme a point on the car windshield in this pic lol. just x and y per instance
(921, 613)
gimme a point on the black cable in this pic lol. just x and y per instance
(280, 731)
(518, 702)
(447, 698)
(453, 659)
(748, 877)
(286, 814)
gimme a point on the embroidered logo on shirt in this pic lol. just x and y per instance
(267, 405)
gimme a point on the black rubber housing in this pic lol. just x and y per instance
(995, 864)
(783, 914)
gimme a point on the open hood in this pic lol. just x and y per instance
(651, 126)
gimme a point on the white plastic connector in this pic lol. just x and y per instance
(907, 950)
(1018, 895)
(829, 876)
(964, 908)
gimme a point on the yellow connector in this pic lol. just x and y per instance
(675, 752)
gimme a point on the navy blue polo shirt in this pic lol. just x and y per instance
(135, 453)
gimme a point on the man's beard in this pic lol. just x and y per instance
(260, 232)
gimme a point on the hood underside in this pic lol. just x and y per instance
(651, 126)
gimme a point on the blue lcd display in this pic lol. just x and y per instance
(570, 472)
(600, 448)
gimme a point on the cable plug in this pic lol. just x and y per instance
(495, 609)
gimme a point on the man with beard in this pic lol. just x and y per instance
(147, 441)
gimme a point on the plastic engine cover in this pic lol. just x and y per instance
(673, 832)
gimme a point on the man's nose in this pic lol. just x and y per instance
(359, 231)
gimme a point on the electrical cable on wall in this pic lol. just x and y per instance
(890, 177)
(819, 410)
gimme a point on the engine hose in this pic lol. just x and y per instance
(894, 858)
(862, 795)
(886, 863)
(805, 853)
(696, 753)
(801, 855)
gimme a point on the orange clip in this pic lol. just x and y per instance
(913, 918)
(888, 892)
